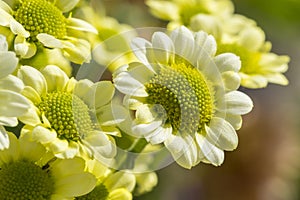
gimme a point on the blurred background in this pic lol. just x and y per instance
(266, 164)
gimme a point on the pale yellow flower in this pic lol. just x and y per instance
(36, 22)
(67, 116)
(184, 96)
(28, 171)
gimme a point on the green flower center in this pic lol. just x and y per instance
(184, 94)
(67, 114)
(98, 193)
(250, 60)
(41, 16)
(24, 180)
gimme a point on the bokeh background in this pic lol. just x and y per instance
(266, 164)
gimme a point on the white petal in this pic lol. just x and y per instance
(3, 42)
(12, 104)
(221, 134)
(24, 48)
(127, 84)
(8, 121)
(213, 154)
(228, 62)
(80, 25)
(163, 47)
(18, 29)
(33, 78)
(43, 135)
(143, 114)
(205, 45)
(4, 140)
(238, 103)
(159, 135)
(5, 17)
(183, 149)
(139, 47)
(8, 63)
(5, 7)
(49, 40)
(183, 40)
(234, 120)
(231, 80)
(145, 129)
(56, 78)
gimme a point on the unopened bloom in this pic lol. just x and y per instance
(184, 96)
(36, 22)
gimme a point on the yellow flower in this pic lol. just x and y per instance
(180, 12)
(36, 22)
(184, 96)
(243, 37)
(111, 185)
(28, 171)
(67, 116)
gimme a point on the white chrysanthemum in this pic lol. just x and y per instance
(185, 96)
(12, 103)
(69, 117)
(28, 171)
(41, 21)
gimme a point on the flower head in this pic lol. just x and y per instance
(69, 117)
(184, 96)
(243, 37)
(36, 22)
(181, 12)
(28, 171)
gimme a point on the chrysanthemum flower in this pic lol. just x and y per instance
(12, 103)
(185, 96)
(111, 185)
(243, 37)
(27, 171)
(180, 12)
(69, 117)
(36, 22)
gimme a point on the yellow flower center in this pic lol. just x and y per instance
(41, 16)
(98, 193)
(67, 114)
(25, 180)
(184, 94)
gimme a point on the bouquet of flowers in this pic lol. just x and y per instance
(91, 108)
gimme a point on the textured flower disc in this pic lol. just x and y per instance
(67, 114)
(24, 180)
(98, 193)
(184, 94)
(41, 16)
